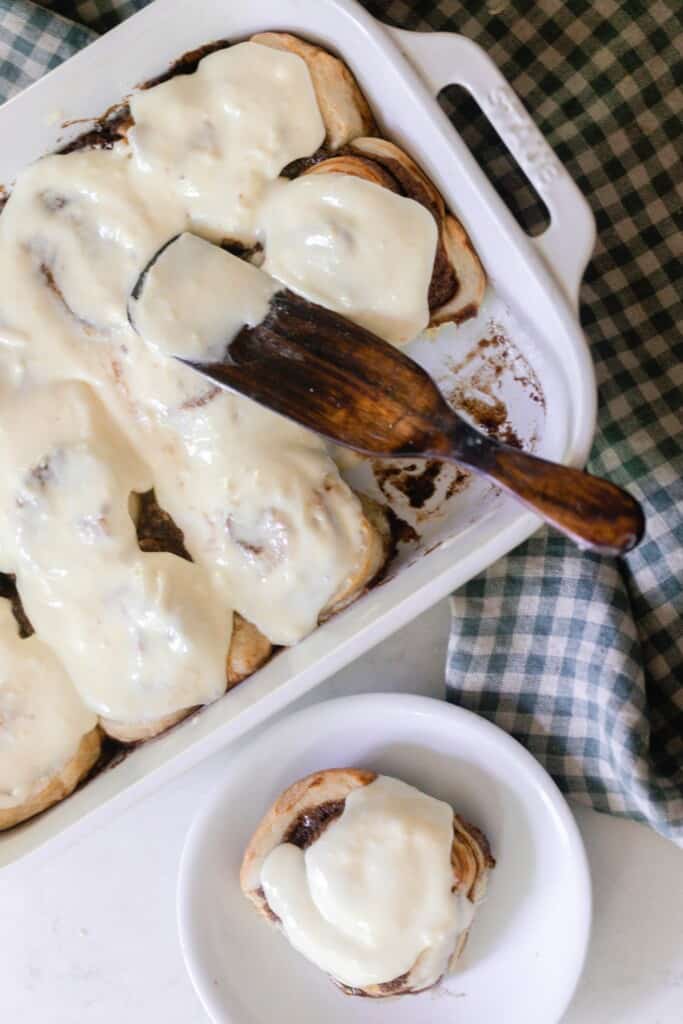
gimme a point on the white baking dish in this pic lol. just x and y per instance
(532, 295)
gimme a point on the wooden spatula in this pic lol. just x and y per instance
(342, 381)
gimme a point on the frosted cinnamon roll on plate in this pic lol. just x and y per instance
(370, 879)
(376, 881)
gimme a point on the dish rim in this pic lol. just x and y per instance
(303, 721)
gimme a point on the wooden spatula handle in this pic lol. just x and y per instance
(593, 512)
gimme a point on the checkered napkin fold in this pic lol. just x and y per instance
(579, 657)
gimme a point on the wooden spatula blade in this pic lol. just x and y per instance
(334, 377)
(343, 382)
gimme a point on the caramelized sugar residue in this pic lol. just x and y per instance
(473, 387)
(476, 389)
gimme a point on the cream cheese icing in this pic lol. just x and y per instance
(91, 411)
(372, 897)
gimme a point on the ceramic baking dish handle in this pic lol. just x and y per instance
(443, 59)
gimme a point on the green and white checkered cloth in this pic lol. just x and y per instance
(580, 657)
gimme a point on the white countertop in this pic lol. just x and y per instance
(91, 937)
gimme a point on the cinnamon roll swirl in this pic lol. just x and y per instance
(370, 879)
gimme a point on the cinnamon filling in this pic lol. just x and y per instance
(188, 63)
(312, 822)
(386, 988)
(272, 916)
(104, 134)
(156, 530)
(303, 831)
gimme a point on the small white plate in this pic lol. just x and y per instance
(528, 942)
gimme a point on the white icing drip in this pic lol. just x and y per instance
(371, 898)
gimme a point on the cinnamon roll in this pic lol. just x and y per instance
(343, 107)
(257, 147)
(458, 280)
(137, 632)
(49, 740)
(371, 880)
(249, 649)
